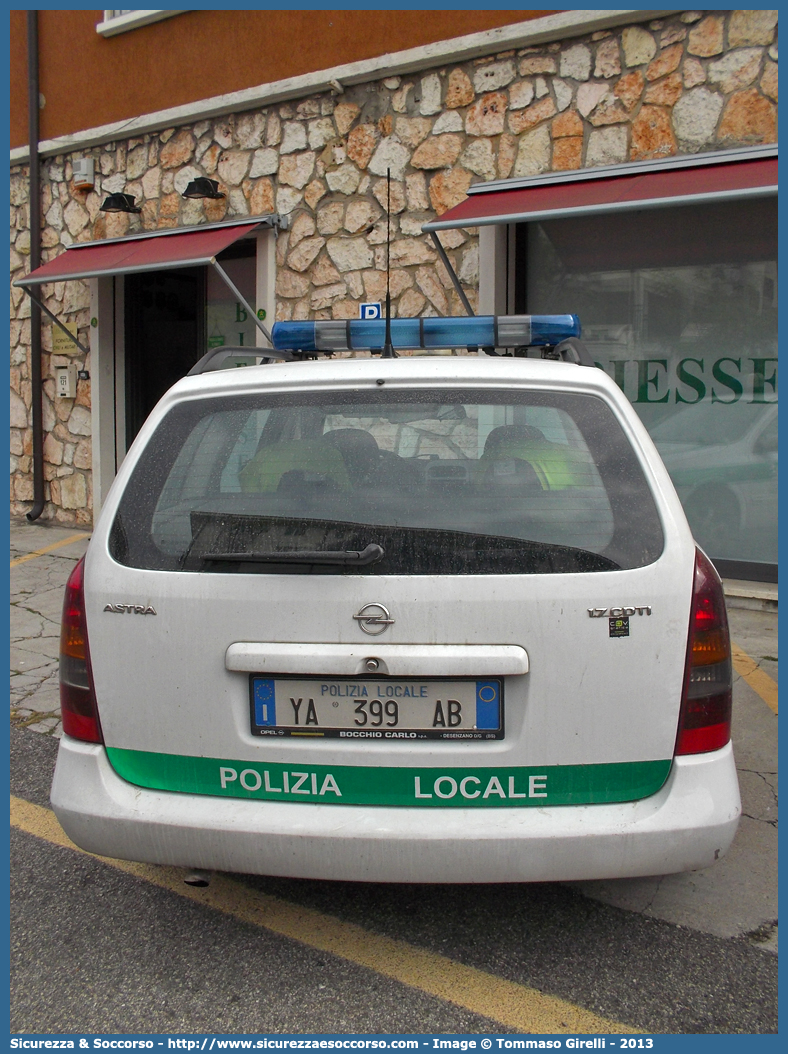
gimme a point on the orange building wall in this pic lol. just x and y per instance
(88, 80)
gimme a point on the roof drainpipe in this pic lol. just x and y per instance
(34, 215)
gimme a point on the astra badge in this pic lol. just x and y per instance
(374, 619)
(130, 609)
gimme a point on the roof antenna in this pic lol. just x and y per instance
(388, 347)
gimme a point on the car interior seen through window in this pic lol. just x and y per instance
(393, 483)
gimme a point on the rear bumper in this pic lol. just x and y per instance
(687, 825)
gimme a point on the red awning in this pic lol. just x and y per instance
(675, 181)
(139, 252)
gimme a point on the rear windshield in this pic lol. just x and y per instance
(390, 482)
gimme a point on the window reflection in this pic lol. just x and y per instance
(679, 306)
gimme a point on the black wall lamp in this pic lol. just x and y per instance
(202, 187)
(119, 203)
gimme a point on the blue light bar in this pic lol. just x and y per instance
(482, 331)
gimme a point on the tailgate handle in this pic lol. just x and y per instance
(397, 660)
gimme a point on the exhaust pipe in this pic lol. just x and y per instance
(197, 878)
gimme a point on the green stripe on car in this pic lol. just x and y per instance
(443, 787)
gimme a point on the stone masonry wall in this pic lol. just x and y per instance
(693, 82)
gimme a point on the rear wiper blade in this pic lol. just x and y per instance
(370, 555)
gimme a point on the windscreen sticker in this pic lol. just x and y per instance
(490, 787)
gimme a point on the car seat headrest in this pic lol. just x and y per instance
(510, 434)
(358, 448)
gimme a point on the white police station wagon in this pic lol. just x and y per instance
(416, 618)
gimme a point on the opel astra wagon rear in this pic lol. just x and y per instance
(416, 619)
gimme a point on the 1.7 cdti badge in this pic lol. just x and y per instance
(622, 612)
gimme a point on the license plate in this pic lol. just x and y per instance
(377, 708)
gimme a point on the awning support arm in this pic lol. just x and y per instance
(56, 320)
(455, 280)
(236, 292)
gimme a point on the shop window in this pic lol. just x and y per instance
(678, 305)
(227, 321)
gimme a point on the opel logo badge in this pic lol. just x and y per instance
(374, 618)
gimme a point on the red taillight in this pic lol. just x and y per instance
(77, 698)
(705, 720)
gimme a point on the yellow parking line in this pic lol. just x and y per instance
(49, 548)
(510, 1004)
(758, 679)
